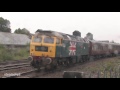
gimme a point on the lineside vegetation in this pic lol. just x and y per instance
(7, 54)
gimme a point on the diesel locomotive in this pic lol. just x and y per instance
(51, 49)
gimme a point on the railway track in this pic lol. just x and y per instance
(32, 73)
(9, 65)
(14, 66)
(13, 62)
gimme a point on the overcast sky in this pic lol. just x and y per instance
(103, 25)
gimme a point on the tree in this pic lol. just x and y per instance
(22, 31)
(4, 25)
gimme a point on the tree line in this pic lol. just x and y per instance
(5, 27)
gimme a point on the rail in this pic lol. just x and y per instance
(14, 66)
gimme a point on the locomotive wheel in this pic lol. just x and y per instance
(65, 63)
(54, 64)
(33, 64)
(59, 67)
(48, 67)
(83, 59)
(88, 58)
(92, 58)
(68, 63)
(78, 59)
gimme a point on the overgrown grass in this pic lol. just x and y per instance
(13, 54)
(102, 66)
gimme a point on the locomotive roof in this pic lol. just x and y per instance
(62, 35)
(50, 33)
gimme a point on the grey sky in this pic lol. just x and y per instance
(103, 25)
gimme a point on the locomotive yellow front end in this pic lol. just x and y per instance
(42, 50)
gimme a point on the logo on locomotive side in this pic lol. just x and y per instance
(72, 48)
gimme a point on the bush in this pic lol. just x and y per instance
(4, 54)
(13, 54)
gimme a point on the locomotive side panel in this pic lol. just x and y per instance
(85, 49)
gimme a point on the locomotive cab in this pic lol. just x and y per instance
(42, 49)
(43, 46)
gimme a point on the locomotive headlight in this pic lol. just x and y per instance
(32, 54)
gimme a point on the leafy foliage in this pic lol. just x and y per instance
(4, 25)
(14, 53)
(22, 31)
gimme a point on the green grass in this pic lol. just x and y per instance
(108, 64)
(13, 54)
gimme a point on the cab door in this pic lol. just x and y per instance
(58, 47)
